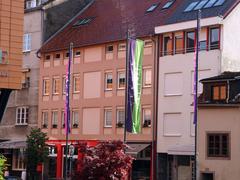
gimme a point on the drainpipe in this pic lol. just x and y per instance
(228, 91)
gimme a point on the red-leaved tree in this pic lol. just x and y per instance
(106, 161)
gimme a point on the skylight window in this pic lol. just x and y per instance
(167, 5)
(219, 3)
(210, 3)
(201, 4)
(152, 8)
(191, 6)
(82, 22)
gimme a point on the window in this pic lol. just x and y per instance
(47, 57)
(18, 162)
(26, 42)
(167, 5)
(54, 119)
(148, 43)
(120, 117)
(32, 4)
(63, 119)
(109, 48)
(122, 47)
(57, 56)
(64, 84)
(202, 45)
(190, 41)
(82, 22)
(75, 119)
(146, 117)
(178, 48)
(121, 80)
(147, 77)
(214, 38)
(219, 92)
(201, 4)
(46, 84)
(152, 8)
(44, 119)
(67, 55)
(219, 3)
(76, 83)
(191, 6)
(210, 3)
(22, 114)
(56, 86)
(108, 118)
(108, 80)
(218, 145)
(167, 47)
(77, 53)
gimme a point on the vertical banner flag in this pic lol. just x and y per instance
(67, 105)
(135, 56)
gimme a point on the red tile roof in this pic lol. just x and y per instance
(113, 17)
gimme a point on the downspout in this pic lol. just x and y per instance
(228, 91)
(155, 110)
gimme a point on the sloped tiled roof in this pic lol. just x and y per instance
(112, 18)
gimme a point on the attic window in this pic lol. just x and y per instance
(82, 22)
(191, 6)
(77, 53)
(152, 8)
(167, 5)
(201, 4)
(219, 3)
(210, 3)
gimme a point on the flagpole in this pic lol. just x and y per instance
(196, 93)
(126, 88)
(67, 127)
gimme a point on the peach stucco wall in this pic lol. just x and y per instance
(220, 119)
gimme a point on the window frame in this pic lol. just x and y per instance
(75, 122)
(27, 40)
(64, 84)
(20, 159)
(106, 81)
(219, 86)
(22, 116)
(118, 79)
(105, 117)
(107, 48)
(56, 86)
(217, 45)
(46, 90)
(75, 87)
(167, 52)
(62, 119)
(220, 155)
(122, 47)
(44, 121)
(54, 119)
(118, 111)
(178, 37)
(144, 108)
(145, 69)
(191, 49)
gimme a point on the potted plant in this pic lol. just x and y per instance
(120, 124)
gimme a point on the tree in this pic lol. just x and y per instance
(37, 151)
(3, 166)
(106, 161)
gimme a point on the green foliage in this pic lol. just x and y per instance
(37, 149)
(3, 166)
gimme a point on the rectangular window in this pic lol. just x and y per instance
(108, 80)
(214, 38)
(63, 119)
(57, 56)
(56, 85)
(64, 84)
(218, 145)
(66, 55)
(26, 42)
(148, 43)
(167, 47)
(54, 119)
(75, 119)
(120, 118)
(22, 114)
(78, 53)
(46, 87)
(18, 162)
(44, 119)
(109, 48)
(122, 47)
(76, 83)
(219, 92)
(121, 80)
(108, 118)
(178, 48)
(147, 117)
(147, 77)
(190, 41)
(47, 57)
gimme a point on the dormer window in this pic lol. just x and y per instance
(219, 92)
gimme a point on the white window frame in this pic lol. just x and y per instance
(118, 111)
(22, 115)
(77, 55)
(44, 119)
(63, 119)
(64, 84)
(18, 158)
(76, 76)
(145, 76)
(45, 80)
(122, 47)
(54, 86)
(148, 43)
(106, 110)
(54, 118)
(118, 79)
(143, 115)
(27, 42)
(106, 80)
(75, 118)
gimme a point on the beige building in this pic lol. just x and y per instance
(218, 128)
